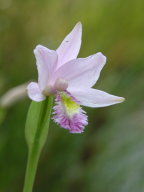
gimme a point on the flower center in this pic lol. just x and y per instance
(48, 91)
(59, 85)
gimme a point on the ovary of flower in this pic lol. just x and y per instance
(70, 80)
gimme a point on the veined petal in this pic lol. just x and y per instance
(46, 61)
(82, 72)
(95, 98)
(68, 113)
(70, 46)
(34, 92)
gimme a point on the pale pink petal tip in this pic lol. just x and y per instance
(74, 122)
(70, 46)
(34, 92)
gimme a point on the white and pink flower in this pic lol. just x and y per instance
(70, 79)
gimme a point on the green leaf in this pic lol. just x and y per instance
(36, 132)
(32, 121)
(37, 122)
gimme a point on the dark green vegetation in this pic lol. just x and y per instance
(109, 155)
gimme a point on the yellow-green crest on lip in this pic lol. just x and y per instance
(70, 106)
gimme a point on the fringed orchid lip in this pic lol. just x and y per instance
(68, 113)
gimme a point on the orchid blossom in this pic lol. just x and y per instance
(70, 80)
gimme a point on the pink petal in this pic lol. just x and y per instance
(70, 46)
(34, 92)
(82, 72)
(95, 98)
(46, 61)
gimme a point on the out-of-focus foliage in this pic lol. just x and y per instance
(109, 155)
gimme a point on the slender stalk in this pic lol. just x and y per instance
(35, 150)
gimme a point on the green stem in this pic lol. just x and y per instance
(35, 150)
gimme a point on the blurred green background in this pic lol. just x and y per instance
(109, 155)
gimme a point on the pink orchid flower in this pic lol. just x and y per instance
(60, 73)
